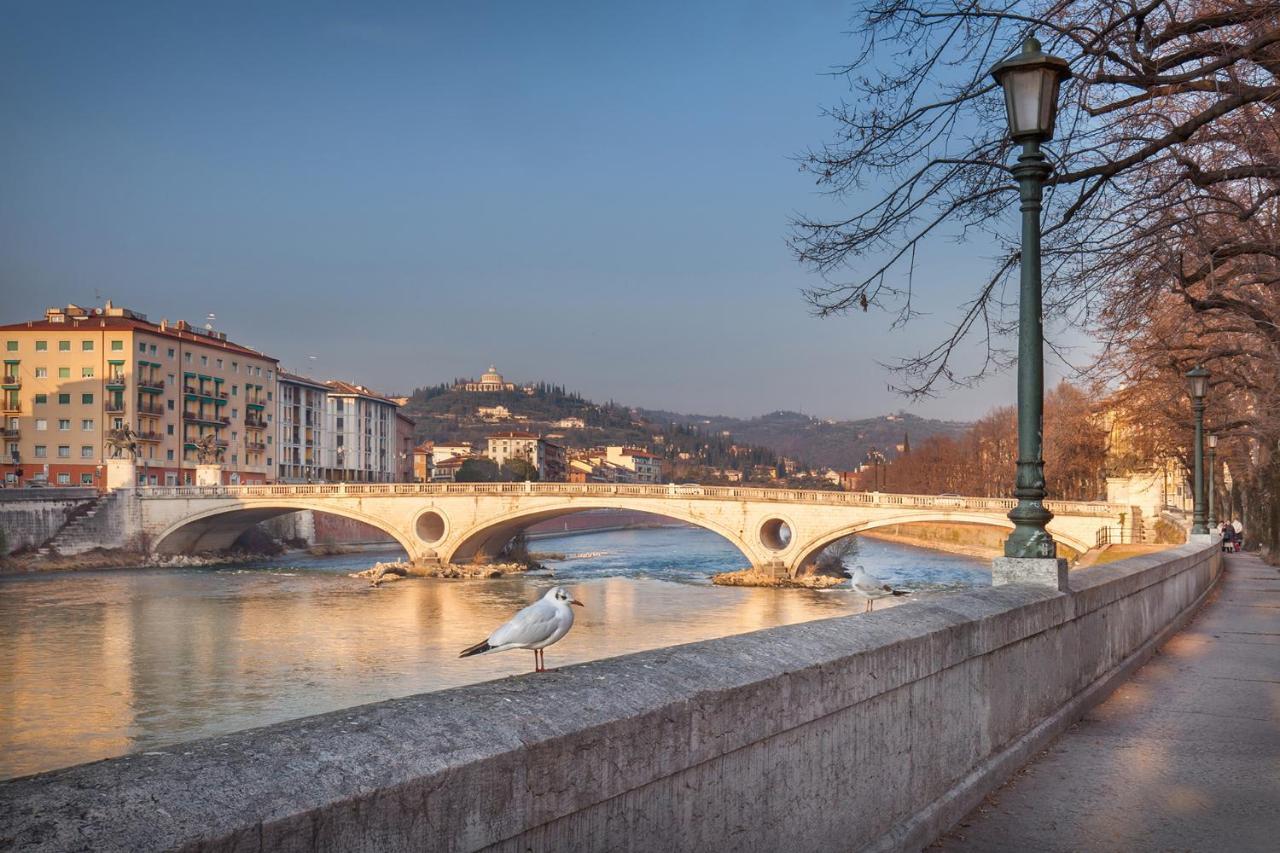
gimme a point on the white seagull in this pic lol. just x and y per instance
(870, 587)
(536, 627)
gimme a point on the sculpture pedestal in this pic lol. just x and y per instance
(121, 474)
(209, 474)
(1031, 571)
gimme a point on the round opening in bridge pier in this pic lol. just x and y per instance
(775, 534)
(430, 526)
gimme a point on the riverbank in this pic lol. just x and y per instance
(755, 577)
(968, 540)
(108, 559)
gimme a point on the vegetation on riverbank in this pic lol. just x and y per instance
(756, 577)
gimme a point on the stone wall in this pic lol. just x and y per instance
(30, 517)
(869, 732)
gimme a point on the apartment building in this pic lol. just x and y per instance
(79, 373)
(300, 428)
(515, 444)
(646, 466)
(363, 425)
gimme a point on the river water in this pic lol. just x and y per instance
(99, 664)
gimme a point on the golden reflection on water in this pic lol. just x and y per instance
(100, 664)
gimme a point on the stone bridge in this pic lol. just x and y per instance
(775, 529)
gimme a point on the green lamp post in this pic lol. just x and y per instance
(1198, 386)
(1030, 81)
(1213, 452)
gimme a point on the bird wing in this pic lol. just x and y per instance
(534, 624)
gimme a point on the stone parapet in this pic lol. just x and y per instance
(859, 732)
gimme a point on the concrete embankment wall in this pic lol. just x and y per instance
(30, 517)
(855, 733)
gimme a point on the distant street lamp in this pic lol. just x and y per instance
(1213, 452)
(1030, 81)
(1198, 385)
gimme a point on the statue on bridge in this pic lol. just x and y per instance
(208, 450)
(121, 441)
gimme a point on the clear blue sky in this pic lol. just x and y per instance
(591, 193)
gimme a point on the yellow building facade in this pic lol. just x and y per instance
(79, 373)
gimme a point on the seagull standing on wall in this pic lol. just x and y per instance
(539, 625)
(871, 588)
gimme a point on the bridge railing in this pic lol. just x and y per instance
(638, 490)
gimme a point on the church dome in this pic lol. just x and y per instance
(492, 376)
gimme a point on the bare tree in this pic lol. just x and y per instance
(1171, 114)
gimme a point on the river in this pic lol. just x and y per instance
(99, 664)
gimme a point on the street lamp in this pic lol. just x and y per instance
(1030, 81)
(1213, 452)
(1198, 385)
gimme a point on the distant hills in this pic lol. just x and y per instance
(446, 414)
(818, 442)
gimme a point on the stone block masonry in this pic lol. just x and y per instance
(30, 517)
(870, 732)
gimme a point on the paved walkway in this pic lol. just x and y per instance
(1185, 756)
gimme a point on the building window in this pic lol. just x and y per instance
(169, 454)
(41, 424)
(86, 425)
(117, 423)
(234, 459)
(235, 367)
(42, 346)
(170, 405)
(64, 372)
(64, 424)
(235, 390)
(86, 479)
(41, 451)
(219, 363)
(42, 373)
(86, 373)
(64, 346)
(64, 451)
(11, 346)
(142, 347)
(186, 356)
(170, 352)
(87, 399)
(64, 399)
(169, 429)
(64, 479)
(153, 349)
(86, 451)
(117, 346)
(204, 361)
(86, 346)
(41, 399)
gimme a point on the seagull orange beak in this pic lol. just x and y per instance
(577, 602)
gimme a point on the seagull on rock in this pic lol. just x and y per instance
(539, 625)
(866, 585)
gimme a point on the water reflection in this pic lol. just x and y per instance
(100, 664)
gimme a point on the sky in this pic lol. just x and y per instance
(594, 194)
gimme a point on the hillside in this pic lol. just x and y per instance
(446, 414)
(819, 443)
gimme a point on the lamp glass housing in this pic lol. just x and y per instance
(1197, 381)
(1213, 441)
(1031, 81)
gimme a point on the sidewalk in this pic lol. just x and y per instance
(1185, 756)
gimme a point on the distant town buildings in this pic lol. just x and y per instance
(645, 466)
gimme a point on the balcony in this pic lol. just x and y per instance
(10, 432)
(255, 421)
(114, 407)
(152, 385)
(12, 380)
(149, 436)
(149, 409)
(115, 382)
(256, 446)
(204, 394)
(197, 418)
(256, 404)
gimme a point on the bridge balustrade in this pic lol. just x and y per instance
(745, 493)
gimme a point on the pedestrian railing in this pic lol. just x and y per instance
(635, 490)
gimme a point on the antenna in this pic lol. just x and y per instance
(208, 320)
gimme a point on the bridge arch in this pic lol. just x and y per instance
(810, 550)
(486, 540)
(218, 528)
